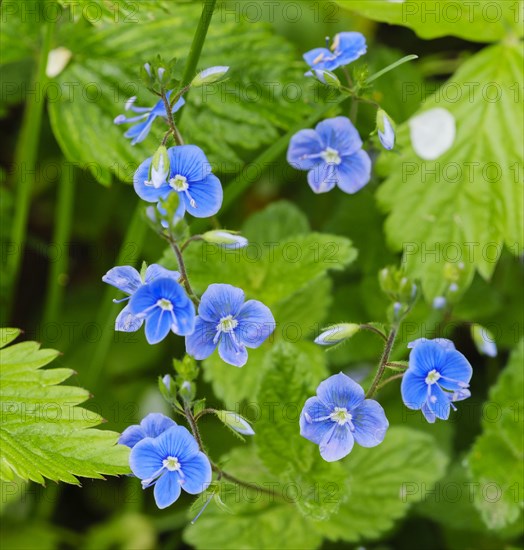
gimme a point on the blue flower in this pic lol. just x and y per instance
(139, 132)
(340, 415)
(438, 375)
(172, 461)
(190, 176)
(164, 306)
(152, 425)
(346, 47)
(226, 322)
(128, 280)
(333, 155)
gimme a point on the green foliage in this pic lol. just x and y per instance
(469, 199)
(476, 21)
(44, 434)
(496, 460)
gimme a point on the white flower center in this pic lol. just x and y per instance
(171, 463)
(331, 156)
(341, 416)
(432, 377)
(179, 183)
(227, 324)
(165, 304)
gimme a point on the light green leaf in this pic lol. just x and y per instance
(465, 205)
(476, 21)
(496, 460)
(43, 433)
(382, 482)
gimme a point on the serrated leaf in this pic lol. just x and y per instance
(474, 21)
(496, 460)
(43, 433)
(468, 200)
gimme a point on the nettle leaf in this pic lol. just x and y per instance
(260, 520)
(242, 114)
(496, 460)
(475, 21)
(382, 483)
(44, 434)
(464, 206)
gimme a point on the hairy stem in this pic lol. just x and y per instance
(383, 361)
(390, 379)
(371, 328)
(183, 271)
(171, 121)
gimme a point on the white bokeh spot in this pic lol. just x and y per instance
(432, 133)
(57, 61)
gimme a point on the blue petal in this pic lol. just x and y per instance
(158, 325)
(230, 352)
(414, 390)
(207, 195)
(313, 55)
(220, 300)
(311, 425)
(439, 402)
(429, 415)
(456, 371)
(255, 323)
(370, 424)
(127, 322)
(336, 443)
(427, 356)
(131, 436)
(339, 134)
(177, 442)
(125, 278)
(200, 344)
(351, 45)
(184, 322)
(140, 131)
(188, 161)
(155, 424)
(197, 474)
(145, 458)
(142, 300)
(323, 177)
(167, 489)
(354, 172)
(148, 192)
(340, 390)
(302, 145)
(444, 342)
(155, 271)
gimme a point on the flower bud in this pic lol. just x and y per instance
(326, 77)
(236, 422)
(209, 76)
(386, 130)
(159, 169)
(484, 340)
(337, 333)
(225, 239)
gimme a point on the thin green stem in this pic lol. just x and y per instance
(183, 270)
(405, 59)
(192, 239)
(25, 163)
(383, 360)
(390, 379)
(203, 413)
(371, 328)
(171, 121)
(58, 269)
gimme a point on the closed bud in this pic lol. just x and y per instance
(159, 169)
(385, 129)
(484, 340)
(326, 77)
(337, 333)
(187, 391)
(209, 76)
(225, 239)
(235, 422)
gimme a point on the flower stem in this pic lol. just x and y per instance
(183, 271)
(374, 330)
(171, 121)
(390, 379)
(25, 160)
(383, 361)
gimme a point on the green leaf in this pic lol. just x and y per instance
(464, 206)
(496, 460)
(475, 21)
(383, 482)
(259, 520)
(44, 434)
(223, 119)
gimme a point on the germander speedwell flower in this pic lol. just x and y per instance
(340, 415)
(171, 462)
(226, 322)
(164, 306)
(128, 280)
(333, 155)
(438, 375)
(190, 176)
(346, 47)
(139, 132)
